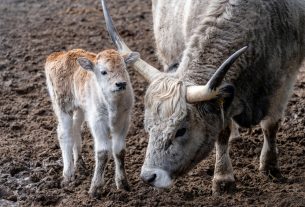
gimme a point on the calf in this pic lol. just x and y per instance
(95, 87)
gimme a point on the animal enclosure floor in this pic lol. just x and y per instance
(30, 158)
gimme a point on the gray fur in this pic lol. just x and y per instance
(205, 34)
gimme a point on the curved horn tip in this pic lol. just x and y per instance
(220, 73)
(242, 50)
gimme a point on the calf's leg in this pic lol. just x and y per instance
(78, 119)
(66, 142)
(118, 152)
(102, 145)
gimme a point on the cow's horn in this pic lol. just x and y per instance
(143, 68)
(210, 90)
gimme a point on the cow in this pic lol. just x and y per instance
(96, 88)
(189, 111)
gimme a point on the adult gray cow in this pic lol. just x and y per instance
(190, 110)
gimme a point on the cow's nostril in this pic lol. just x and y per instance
(149, 178)
(152, 178)
(121, 85)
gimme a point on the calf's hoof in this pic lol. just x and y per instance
(222, 186)
(67, 181)
(95, 192)
(123, 185)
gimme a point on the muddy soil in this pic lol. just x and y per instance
(30, 158)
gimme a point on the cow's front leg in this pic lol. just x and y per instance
(268, 158)
(223, 180)
(234, 131)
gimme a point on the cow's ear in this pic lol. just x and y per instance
(221, 103)
(226, 96)
(85, 63)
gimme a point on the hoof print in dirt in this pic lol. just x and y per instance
(223, 187)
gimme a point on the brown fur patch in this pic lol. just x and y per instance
(68, 79)
(63, 70)
(54, 56)
(112, 58)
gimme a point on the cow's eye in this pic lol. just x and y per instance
(180, 132)
(104, 72)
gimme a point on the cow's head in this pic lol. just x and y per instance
(183, 120)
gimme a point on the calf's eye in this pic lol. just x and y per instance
(104, 72)
(180, 132)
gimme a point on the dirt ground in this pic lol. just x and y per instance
(30, 158)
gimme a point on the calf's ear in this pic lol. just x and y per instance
(131, 58)
(85, 63)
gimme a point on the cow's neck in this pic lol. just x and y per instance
(198, 65)
(205, 52)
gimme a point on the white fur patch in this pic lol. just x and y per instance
(118, 145)
(163, 180)
(227, 177)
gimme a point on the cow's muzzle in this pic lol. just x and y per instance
(156, 177)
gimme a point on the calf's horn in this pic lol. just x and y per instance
(143, 68)
(210, 90)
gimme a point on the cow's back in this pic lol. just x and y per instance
(174, 23)
(274, 32)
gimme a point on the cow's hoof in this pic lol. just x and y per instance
(273, 173)
(123, 185)
(221, 186)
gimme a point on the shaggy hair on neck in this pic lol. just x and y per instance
(165, 97)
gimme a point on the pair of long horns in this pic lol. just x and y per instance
(150, 73)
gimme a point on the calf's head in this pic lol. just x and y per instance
(183, 120)
(110, 69)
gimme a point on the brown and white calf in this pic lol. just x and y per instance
(97, 88)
